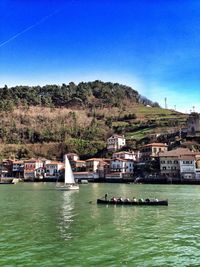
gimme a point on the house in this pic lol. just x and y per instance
(53, 169)
(78, 165)
(187, 166)
(33, 168)
(122, 165)
(115, 142)
(169, 161)
(124, 155)
(92, 164)
(7, 167)
(18, 168)
(151, 151)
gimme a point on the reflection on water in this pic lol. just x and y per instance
(67, 214)
(41, 226)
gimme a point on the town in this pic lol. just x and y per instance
(153, 162)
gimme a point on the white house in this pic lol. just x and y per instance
(187, 166)
(53, 169)
(93, 164)
(122, 165)
(115, 142)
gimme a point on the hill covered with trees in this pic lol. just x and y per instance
(50, 120)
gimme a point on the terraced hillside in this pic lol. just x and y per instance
(45, 124)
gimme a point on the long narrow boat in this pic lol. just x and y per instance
(134, 203)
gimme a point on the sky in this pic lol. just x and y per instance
(151, 45)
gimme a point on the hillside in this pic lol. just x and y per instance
(48, 121)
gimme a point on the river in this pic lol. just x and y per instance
(41, 226)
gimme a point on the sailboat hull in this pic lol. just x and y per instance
(67, 187)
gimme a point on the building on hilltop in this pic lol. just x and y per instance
(116, 142)
(193, 123)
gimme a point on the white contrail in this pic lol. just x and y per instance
(28, 28)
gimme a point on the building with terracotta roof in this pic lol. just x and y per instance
(33, 168)
(179, 162)
(93, 164)
(151, 151)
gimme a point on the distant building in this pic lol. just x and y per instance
(72, 156)
(18, 168)
(122, 165)
(125, 155)
(78, 165)
(53, 169)
(151, 151)
(169, 161)
(93, 164)
(115, 142)
(193, 123)
(33, 168)
(187, 166)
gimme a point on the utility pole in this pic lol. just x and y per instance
(165, 103)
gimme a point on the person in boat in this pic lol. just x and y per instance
(113, 199)
(134, 199)
(106, 196)
(141, 200)
(147, 200)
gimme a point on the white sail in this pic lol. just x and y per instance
(69, 177)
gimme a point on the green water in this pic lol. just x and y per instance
(40, 226)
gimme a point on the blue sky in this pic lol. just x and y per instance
(151, 45)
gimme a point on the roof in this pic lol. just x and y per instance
(123, 152)
(156, 144)
(54, 163)
(126, 160)
(94, 159)
(175, 153)
(32, 160)
(187, 157)
(116, 136)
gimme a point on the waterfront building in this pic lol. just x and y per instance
(92, 164)
(78, 165)
(53, 169)
(18, 168)
(151, 151)
(116, 142)
(169, 161)
(33, 168)
(187, 166)
(122, 165)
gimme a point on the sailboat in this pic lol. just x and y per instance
(69, 183)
